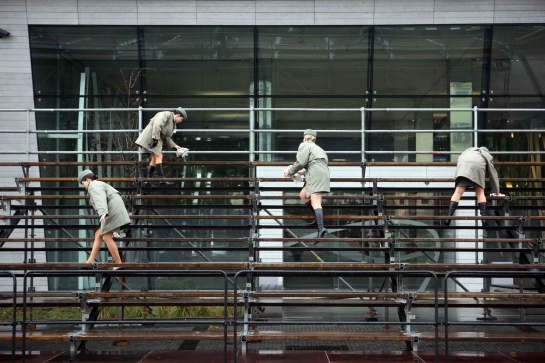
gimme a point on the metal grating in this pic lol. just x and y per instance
(317, 347)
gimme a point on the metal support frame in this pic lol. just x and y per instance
(446, 323)
(110, 276)
(387, 274)
(13, 323)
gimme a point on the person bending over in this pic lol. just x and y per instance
(470, 173)
(108, 204)
(160, 130)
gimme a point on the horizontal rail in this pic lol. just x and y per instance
(341, 266)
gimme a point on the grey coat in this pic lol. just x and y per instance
(107, 200)
(473, 163)
(314, 159)
(160, 127)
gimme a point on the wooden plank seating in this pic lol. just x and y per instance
(110, 335)
(361, 197)
(522, 337)
(331, 335)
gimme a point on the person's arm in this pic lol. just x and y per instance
(303, 156)
(493, 176)
(171, 144)
(100, 201)
(159, 122)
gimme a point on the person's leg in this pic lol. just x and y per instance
(160, 171)
(153, 159)
(96, 247)
(112, 247)
(308, 203)
(316, 200)
(151, 169)
(456, 196)
(481, 203)
(481, 198)
(303, 195)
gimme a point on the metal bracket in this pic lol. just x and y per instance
(95, 265)
(401, 266)
(410, 296)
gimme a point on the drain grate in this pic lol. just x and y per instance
(317, 347)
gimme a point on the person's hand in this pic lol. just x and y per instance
(182, 152)
(286, 173)
(153, 143)
(178, 147)
(103, 217)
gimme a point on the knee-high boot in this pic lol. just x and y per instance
(451, 209)
(151, 170)
(161, 173)
(309, 204)
(482, 209)
(320, 221)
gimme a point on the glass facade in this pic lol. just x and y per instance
(440, 66)
(376, 67)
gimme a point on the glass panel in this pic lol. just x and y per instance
(418, 120)
(520, 141)
(424, 60)
(198, 61)
(82, 60)
(518, 60)
(334, 143)
(318, 60)
(209, 141)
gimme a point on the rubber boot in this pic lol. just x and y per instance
(151, 170)
(320, 221)
(309, 204)
(451, 209)
(161, 173)
(482, 209)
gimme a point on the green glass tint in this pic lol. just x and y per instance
(426, 60)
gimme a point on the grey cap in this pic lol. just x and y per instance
(484, 149)
(184, 114)
(310, 132)
(84, 173)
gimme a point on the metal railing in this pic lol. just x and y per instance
(253, 131)
(13, 321)
(124, 273)
(392, 274)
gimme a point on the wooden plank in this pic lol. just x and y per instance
(35, 335)
(488, 337)
(162, 302)
(328, 335)
(142, 334)
(325, 302)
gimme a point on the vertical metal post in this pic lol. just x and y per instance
(139, 131)
(475, 126)
(28, 134)
(363, 135)
(252, 134)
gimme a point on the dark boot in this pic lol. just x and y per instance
(151, 170)
(161, 173)
(482, 209)
(451, 209)
(320, 221)
(309, 204)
